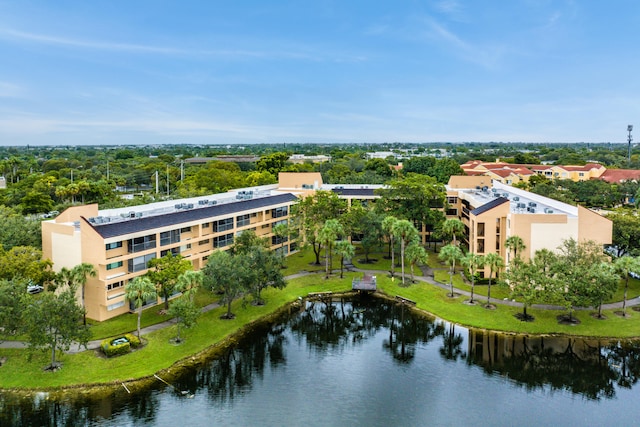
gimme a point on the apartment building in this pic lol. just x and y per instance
(120, 242)
(510, 173)
(492, 211)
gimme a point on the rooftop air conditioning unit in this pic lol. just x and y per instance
(548, 210)
(533, 204)
(132, 214)
(516, 198)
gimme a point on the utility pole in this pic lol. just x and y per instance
(157, 182)
(181, 170)
(167, 180)
(629, 139)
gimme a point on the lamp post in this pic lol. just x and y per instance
(629, 139)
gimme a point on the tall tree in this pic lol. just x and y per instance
(164, 272)
(526, 282)
(12, 302)
(371, 232)
(281, 231)
(81, 274)
(139, 290)
(53, 321)
(226, 274)
(405, 232)
(516, 244)
(388, 225)
(188, 283)
(601, 282)
(186, 314)
(418, 198)
(344, 249)
(495, 263)
(330, 232)
(265, 271)
(415, 254)
(473, 263)
(625, 266)
(311, 213)
(450, 254)
(452, 229)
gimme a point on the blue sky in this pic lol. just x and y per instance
(212, 72)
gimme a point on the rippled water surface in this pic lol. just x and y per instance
(372, 363)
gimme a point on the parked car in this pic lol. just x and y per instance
(634, 275)
(35, 289)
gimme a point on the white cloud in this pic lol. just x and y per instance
(11, 90)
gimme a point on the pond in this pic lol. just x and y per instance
(368, 362)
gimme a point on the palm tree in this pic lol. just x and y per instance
(495, 263)
(450, 254)
(281, 231)
(473, 262)
(452, 228)
(405, 231)
(415, 254)
(388, 224)
(140, 290)
(189, 282)
(81, 274)
(328, 235)
(344, 249)
(626, 265)
(516, 244)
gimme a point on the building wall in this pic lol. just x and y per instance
(67, 246)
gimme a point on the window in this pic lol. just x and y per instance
(497, 246)
(480, 246)
(203, 242)
(284, 250)
(452, 212)
(185, 230)
(173, 251)
(282, 221)
(140, 263)
(497, 225)
(115, 305)
(280, 212)
(481, 229)
(114, 265)
(452, 200)
(206, 225)
(223, 225)
(140, 244)
(242, 220)
(275, 240)
(113, 245)
(222, 241)
(169, 237)
(115, 285)
(293, 246)
(266, 225)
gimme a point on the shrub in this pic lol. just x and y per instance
(133, 340)
(111, 349)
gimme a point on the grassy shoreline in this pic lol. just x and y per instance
(212, 335)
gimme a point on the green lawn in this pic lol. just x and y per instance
(159, 354)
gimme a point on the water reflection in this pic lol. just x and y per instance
(376, 331)
(586, 367)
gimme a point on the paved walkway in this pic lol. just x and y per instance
(427, 277)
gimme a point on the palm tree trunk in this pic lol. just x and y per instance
(624, 299)
(84, 313)
(402, 259)
(489, 290)
(392, 258)
(473, 282)
(139, 316)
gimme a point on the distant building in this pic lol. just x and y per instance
(380, 155)
(510, 173)
(301, 158)
(3, 183)
(223, 158)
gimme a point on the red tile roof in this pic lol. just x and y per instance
(620, 175)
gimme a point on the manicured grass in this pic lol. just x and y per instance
(159, 354)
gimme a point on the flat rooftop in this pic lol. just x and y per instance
(520, 201)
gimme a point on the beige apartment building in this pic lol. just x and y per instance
(120, 242)
(492, 211)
